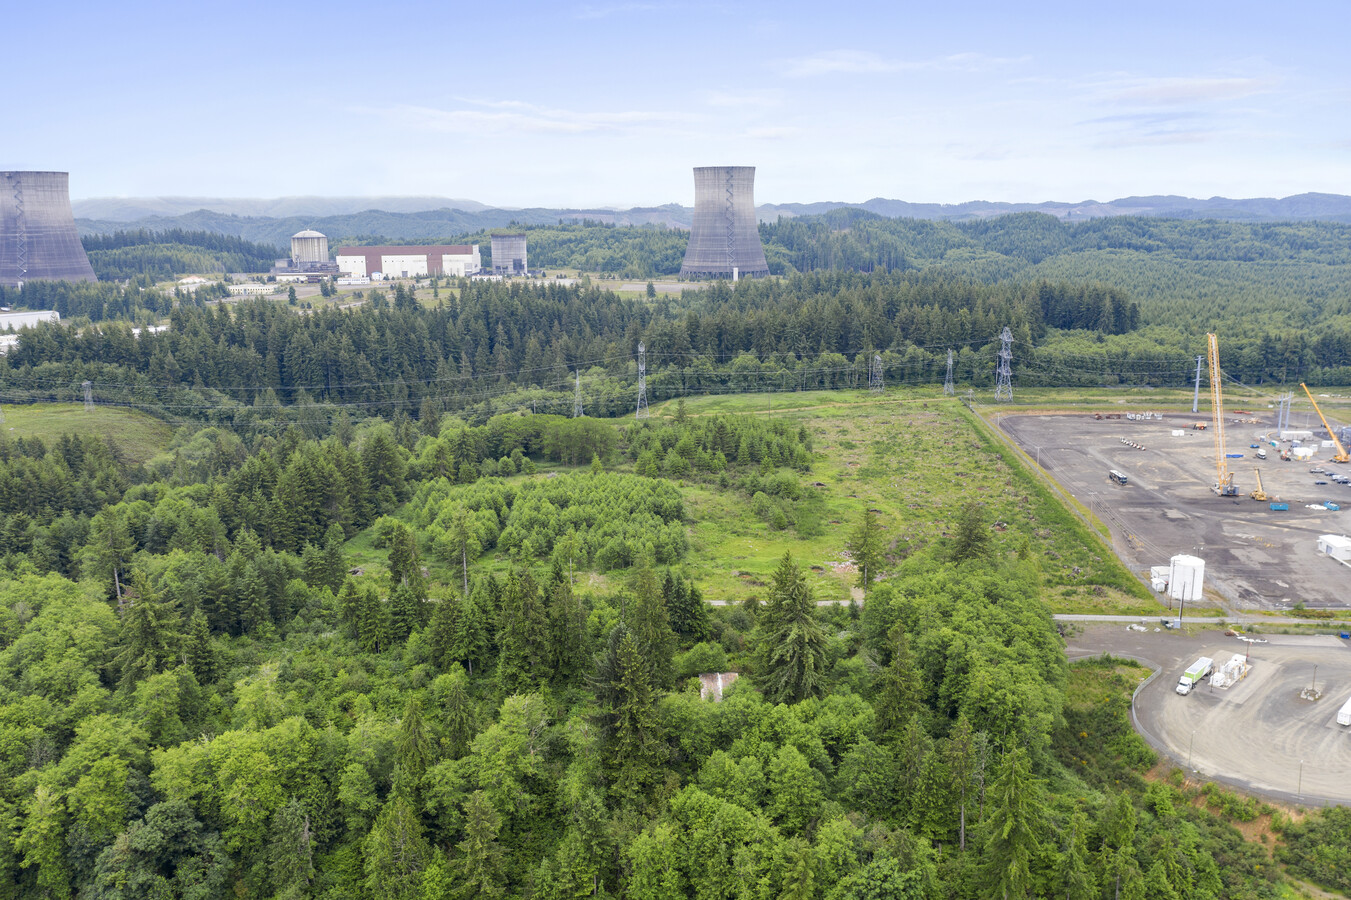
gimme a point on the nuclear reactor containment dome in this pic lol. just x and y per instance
(308, 248)
(38, 240)
(724, 239)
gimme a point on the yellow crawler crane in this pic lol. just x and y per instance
(1341, 456)
(1259, 495)
(1224, 479)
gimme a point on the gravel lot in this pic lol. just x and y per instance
(1255, 558)
(1257, 735)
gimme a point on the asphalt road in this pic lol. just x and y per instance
(1257, 735)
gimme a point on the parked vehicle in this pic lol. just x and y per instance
(1195, 672)
(1261, 453)
(1118, 477)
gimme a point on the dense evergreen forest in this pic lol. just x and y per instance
(483, 347)
(160, 255)
(200, 697)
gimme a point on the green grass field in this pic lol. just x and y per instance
(136, 435)
(912, 456)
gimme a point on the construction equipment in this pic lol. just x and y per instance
(1341, 456)
(1224, 479)
(1259, 495)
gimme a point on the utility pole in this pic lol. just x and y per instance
(948, 389)
(577, 398)
(1003, 386)
(875, 374)
(642, 411)
(88, 396)
(1196, 395)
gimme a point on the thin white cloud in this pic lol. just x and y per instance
(852, 62)
(742, 99)
(865, 62)
(1180, 91)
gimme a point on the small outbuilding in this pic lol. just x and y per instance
(1338, 546)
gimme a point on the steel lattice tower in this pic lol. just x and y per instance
(948, 389)
(88, 396)
(1003, 386)
(875, 374)
(577, 398)
(642, 411)
(1196, 395)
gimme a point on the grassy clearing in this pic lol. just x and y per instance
(912, 456)
(136, 435)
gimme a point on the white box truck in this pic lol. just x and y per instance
(1195, 672)
(1344, 714)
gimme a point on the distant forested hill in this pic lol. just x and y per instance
(159, 255)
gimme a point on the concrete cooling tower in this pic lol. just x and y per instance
(724, 239)
(38, 240)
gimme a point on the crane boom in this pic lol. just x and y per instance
(1259, 494)
(1341, 456)
(1224, 479)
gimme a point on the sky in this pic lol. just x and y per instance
(601, 103)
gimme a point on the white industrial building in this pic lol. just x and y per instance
(17, 320)
(1338, 546)
(455, 260)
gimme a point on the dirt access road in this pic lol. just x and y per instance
(1258, 735)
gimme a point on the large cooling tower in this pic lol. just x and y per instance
(38, 240)
(724, 239)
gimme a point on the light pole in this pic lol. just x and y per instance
(1299, 784)
(1189, 748)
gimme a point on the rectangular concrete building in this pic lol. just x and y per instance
(28, 319)
(1338, 546)
(456, 260)
(509, 256)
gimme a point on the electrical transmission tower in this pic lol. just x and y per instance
(642, 411)
(88, 396)
(1003, 386)
(1196, 394)
(577, 398)
(948, 389)
(875, 374)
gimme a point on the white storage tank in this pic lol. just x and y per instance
(1186, 575)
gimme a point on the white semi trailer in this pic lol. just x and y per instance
(1344, 714)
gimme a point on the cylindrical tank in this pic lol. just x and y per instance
(1186, 577)
(308, 248)
(38, 240)
(724, 237)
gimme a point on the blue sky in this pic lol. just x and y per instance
(611, 103)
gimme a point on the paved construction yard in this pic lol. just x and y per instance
(1259, 734)
(1255, 558)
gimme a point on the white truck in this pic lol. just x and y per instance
(1195, 672)
(1344, 714)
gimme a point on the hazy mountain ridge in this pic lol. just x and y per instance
(338, 218)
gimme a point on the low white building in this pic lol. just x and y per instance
(28, 318)
(251, 288)
(1338, 546)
